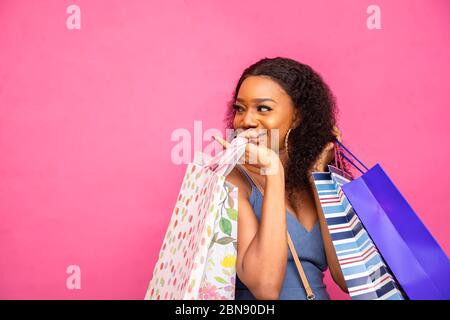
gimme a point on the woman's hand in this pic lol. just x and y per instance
(257, 154)
(327, 154)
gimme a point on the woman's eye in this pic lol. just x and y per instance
(264, 108)
(261, 108)
(237, 108)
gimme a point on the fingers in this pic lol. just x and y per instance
(251, 149)
(250, 153)
(250, 134)
(255, 137)
(329, 146)
(225, 144)
(337, 132)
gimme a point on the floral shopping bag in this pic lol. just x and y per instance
(197, 259)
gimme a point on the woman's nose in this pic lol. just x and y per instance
(249, 121)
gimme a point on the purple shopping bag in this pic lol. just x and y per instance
(413, 255)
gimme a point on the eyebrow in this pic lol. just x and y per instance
(256, 100)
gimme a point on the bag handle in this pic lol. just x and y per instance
(226, 160)
(349, 160)
(338, 163)
(309, 293)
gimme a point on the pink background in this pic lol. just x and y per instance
(86, 118)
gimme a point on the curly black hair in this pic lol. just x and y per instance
(317, 108)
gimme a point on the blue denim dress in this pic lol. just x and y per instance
(309, 246)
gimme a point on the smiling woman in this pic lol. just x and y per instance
(290, 99)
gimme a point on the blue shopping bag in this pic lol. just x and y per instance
(366, 275)
(414, 256)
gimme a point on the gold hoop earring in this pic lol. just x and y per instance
(286, 142)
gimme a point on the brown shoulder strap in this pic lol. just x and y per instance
(309, 293)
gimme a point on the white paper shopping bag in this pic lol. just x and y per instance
(198, 257)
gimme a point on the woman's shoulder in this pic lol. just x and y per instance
(238, 179)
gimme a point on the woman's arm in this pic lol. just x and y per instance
(264, 261)
(262, 246)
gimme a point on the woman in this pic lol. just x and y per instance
(285, 95)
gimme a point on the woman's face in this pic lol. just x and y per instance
(262, 103)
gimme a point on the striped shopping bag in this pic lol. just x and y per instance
(366, 274)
